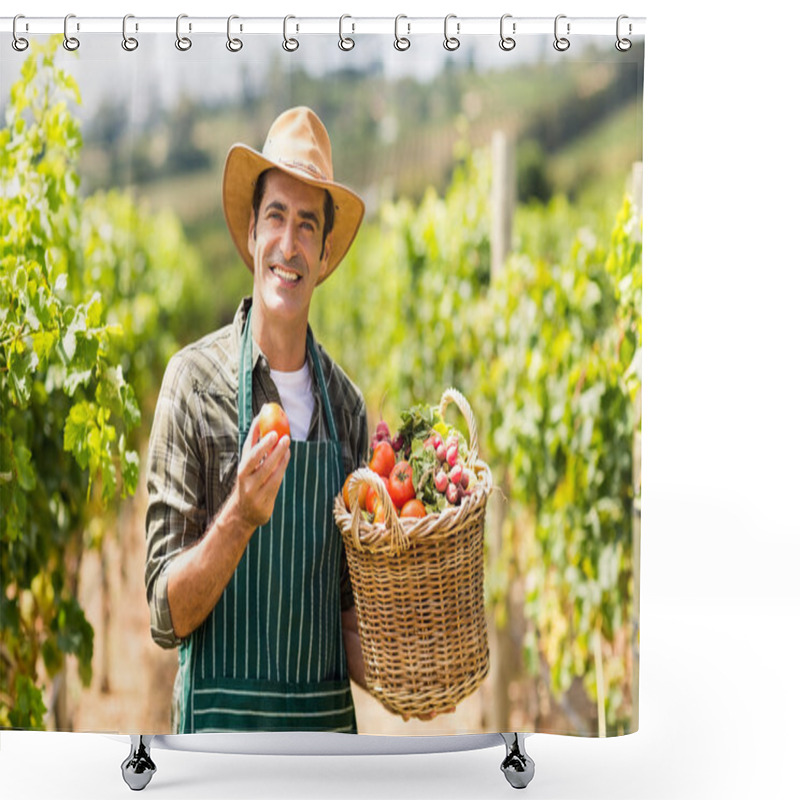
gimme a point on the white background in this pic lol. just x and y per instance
(719, 701)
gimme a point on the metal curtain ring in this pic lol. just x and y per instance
(70, 42)
(128, 42)
(19, 43)
(345, 42)
(401, 42)
(451, 42)
(622, 44)
(183, 43)
(289, 44)
(561, 43)
(507, 42)
(234, 45)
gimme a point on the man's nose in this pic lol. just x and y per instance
(288, 242)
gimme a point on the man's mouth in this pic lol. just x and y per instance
(285, 274)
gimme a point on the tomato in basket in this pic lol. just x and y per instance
(413, 508)
(401, 484)
(382, 460)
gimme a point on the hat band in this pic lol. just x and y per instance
(305, 166)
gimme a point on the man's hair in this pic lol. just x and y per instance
(328, 207)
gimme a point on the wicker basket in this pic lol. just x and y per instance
(418, 587)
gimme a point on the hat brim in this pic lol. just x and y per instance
(243, 165)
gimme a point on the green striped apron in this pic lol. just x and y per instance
(270, 656)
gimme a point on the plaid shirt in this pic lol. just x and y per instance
(194, 449)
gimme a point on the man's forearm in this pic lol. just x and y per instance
(199, 575)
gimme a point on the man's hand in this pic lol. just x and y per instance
(261, 471)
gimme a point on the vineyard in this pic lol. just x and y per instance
(547, 351)
(97, 291)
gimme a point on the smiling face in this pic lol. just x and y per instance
(285, 241)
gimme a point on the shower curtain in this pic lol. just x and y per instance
(499, 253)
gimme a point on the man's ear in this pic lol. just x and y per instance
(251, 234)
(325, 258)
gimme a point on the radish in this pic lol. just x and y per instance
(452, 454)
(441, 481)
(456, 474)
(452, 494)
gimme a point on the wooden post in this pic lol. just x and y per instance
(503, 657)
(503, 199)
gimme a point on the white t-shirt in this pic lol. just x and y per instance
(297, 398)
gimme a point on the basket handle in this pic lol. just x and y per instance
(398, 538)
(452, 395)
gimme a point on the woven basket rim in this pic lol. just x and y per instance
(376, 537)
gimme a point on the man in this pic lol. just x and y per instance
(245, 568)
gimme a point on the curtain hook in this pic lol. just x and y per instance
(70, 42)
(128, 42)
(451, 42)
(289, 44)
(622, 44)
(234, 45)
(401, 42)
(507, 42)
(19, 43)
(561, 43)
(345, 42)
(183, 43)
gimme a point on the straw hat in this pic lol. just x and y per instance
(297, 144)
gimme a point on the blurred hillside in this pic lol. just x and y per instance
(393, 136)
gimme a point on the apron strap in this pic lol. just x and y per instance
(245, 394)
(312, 347)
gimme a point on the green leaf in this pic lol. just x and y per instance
(94, 310)
(130, 408)
(22, 363)
(76, 432)
(75, 379)
(69, 344)
(130, 471)
(26, 476)
(108, 392)
(53, 657)
(29, 711)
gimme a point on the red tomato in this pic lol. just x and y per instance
(373, 498)
(273, 418)
(380, 513)
(346, 492)
(363, 491)
(413, 508)
(401, 484)
(382, 459)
